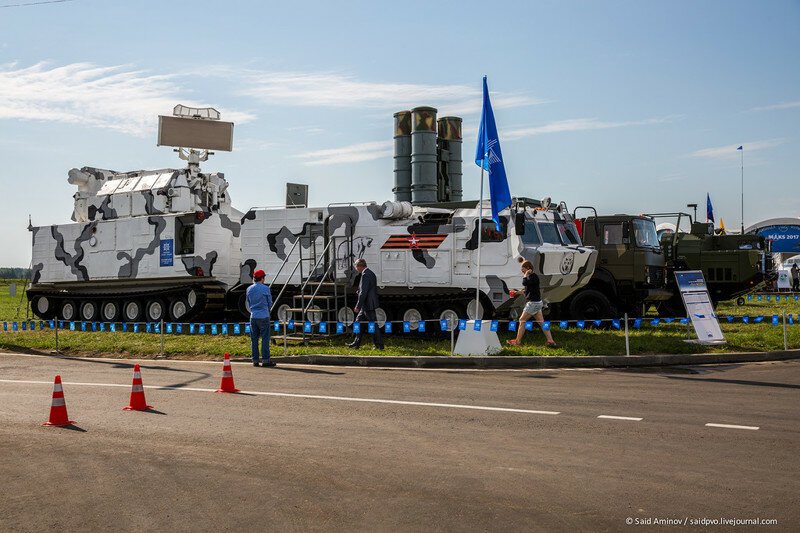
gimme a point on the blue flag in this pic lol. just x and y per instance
(489, 157)
(709, 209)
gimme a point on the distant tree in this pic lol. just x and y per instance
(14, 273)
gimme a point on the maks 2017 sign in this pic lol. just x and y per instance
(784, 238)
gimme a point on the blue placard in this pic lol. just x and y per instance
(477, 325)
(684, 320)
(758, 319)
(94, 326)
(248, 329)
(769, 297)
(157, 327)
(615, 324)
(276, 326)
(546, 325)
(791, 320)
(443, 324)
(387, 328)
(637, 323)
(201, 329)
(112, 327)
(290, 325)
(746, 319)
(421, 328)
(529, 325)
(214, 329)
(148, 327)
(179, 328)
(729, 318)
(24, 326)
(581, 324)
(668, 320)
(406, 326)
(512, 326)
(655, 322)
(41, 323)
(340, 328)
(5, 326)
(125, 327)
(167, 251)
(14, 326)
(563, 324)
(775, 320)
(760, 297)
(494, 325)
(136, 328)
(52, 324)
(224, 329)
(102, 326)
(323, 327)
(462, 324)
(191, 329)
(371, 327)
(61, 324)
(597, 323)
(749, 297)
(83, 326)
(307, 327)
(169, 328)
(356, 327)
(237, 329)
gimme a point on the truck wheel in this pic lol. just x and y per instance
(68, 310)
(284, 315)
(413, 316)
(591, 305)
(740, 301)
(471, 311)
(88, 311)
(244, 307)
(346, 316)
(178, 309)
(132, 311)
(110, 311)
(381, 316)
(154, 310)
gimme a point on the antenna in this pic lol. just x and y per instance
(194, 132)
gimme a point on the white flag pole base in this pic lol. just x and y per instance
(483, 342)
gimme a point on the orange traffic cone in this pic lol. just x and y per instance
(138, 403)
(226, 384)
(58, 408)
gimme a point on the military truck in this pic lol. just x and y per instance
(630, 273)
(732, 264)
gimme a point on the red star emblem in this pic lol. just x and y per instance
(413, 242)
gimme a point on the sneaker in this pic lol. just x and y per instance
(255, 363)
(512, 342)
(269, 364)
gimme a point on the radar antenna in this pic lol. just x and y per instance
(194, 132)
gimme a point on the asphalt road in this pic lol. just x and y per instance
(329, 448)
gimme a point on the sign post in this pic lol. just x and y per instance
(699, 308)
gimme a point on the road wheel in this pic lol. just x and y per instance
(89, 311)
(740, 301)
(132, 311)
(68, 310)
(110, 311)
(413, 316)
(178, 308)
(345, 315)
(591, 304)
(191, 298)
(381, 316)
(154, 310)
(451, 313)
(43, 306)
(283, 314)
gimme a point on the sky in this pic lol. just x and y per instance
(627, 106)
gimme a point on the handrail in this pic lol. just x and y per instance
(321, 256)
(319, 286)
(275, 301)
(288, 255)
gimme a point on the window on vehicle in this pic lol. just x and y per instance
(569, 235)
(489, 231)
(184, 235)
(612, 233)
(531, 236)
(645, 233)
(549, 233)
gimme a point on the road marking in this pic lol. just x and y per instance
(732, 426)
(614, 417)
(308, 397)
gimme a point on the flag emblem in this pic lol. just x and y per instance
(413, 242)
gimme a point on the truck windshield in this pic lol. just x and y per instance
(549, 232)
(531, 236)
(645, 233)
(568, 233)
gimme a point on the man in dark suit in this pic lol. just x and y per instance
(367, 304)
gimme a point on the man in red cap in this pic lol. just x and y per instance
(259, 299)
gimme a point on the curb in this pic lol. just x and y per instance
(501, 362)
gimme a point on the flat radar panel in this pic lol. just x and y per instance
(195, 133)
(109, 187)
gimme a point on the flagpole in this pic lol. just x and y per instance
(742, 150)
(480, 234)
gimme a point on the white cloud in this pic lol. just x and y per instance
(354, 153)
(116, 97)
(730, 151)
(578, 124)
(782, 105)
(332, 90)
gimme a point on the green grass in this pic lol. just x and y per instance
(666, 338)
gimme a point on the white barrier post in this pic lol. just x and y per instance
(452, 340)
(785, 341)
(627, 340)
(285, 325)
(161, 333)
(56, 322)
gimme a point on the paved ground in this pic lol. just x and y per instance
(324, 448)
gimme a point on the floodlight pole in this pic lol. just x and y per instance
(742, 150)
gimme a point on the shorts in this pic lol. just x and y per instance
(533, 307)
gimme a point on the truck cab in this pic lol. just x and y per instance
(630, 271)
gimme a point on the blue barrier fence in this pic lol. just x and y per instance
(389, 327)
